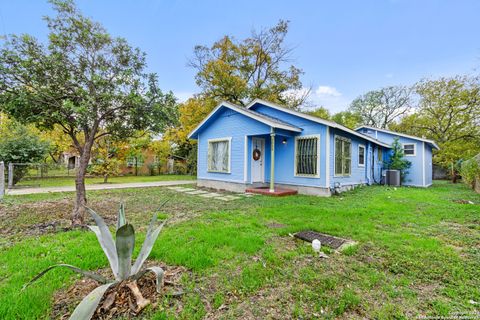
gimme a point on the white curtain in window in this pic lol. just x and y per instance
(218, 156)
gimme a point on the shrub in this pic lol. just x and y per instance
(22, 147)
(397, 162)
(470, 171)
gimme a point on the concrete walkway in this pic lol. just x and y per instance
(211, 195)
(14, 192)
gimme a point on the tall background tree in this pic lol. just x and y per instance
(448, 113)
(83, 80)
(238, 71)
(380, 108)
(256, 67)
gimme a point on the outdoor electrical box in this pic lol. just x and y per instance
(392, 177)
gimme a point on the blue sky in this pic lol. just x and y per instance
(345, 47)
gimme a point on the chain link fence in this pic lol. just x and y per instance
(30, 174)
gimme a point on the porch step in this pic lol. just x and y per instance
(278, 192)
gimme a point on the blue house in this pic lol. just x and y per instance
(265, 145)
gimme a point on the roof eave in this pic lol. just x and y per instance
(316, 119)
(402, 134)
(239, 110)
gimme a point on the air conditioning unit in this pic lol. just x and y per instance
(392, 177)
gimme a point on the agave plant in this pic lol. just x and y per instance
(119, 255)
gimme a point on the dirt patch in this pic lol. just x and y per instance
(118, 301)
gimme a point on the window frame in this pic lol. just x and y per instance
(364, 155)
(229, 140)
(335, 156)
(312, 136)
(414, 149)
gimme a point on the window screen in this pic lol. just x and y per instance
(409, 149)
(361, 155)
(343, 160)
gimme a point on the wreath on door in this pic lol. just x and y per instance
(256, 154)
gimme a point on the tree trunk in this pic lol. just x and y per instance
(78, 214)
(454, 174)
(105, 178)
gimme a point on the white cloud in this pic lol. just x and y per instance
(328, 97)
(327, 91)
(183, 95)
(295, 93)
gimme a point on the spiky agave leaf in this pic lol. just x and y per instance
(106, 241)
(158, 272)
(89, 304)
(121, 220)
(88, 274)
(147, 246)
(125, 242)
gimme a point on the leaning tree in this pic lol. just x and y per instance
(85, 81)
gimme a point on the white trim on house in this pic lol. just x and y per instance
(401, 135)
(364, 155)
(414, 149)
(270, 122)
(327, 158)
(229, 139)
(423, 161)
(334, 153)
(317, 120)
(198, 154)
(317, 175)
(245, 160)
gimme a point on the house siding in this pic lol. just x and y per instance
(285, 153)
(358, 173)
(228, 123)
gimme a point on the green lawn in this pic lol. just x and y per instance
(70, 181)
(418, 253)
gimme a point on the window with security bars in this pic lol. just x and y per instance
(307, 156)
(343, 156)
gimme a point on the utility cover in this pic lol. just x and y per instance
(327, 240)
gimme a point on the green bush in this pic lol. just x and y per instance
(22, 147)
(470, 171)
(397, 162)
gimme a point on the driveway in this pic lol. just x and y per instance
(13, 192)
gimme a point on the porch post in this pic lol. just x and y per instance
(272, 160)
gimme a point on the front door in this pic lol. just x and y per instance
(258, 157)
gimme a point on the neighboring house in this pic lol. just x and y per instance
(70, 159)
(267, 145)
(416, 150)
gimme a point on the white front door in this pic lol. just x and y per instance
(258, 157)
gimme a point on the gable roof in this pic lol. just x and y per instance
(270, 121)
(431, 142)
(317, 120)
